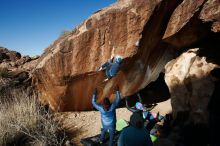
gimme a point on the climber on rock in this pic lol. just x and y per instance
(108, 114)
(149, 118)
(111, 67)
(135, 134)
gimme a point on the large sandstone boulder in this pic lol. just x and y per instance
(143, 32)
(190, 85)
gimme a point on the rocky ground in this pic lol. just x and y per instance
(85, 124)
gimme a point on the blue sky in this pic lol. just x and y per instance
(30, 26)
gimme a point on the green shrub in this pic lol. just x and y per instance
(4, 73)
(24, 122)
(65, 33)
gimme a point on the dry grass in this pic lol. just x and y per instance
(24, 122)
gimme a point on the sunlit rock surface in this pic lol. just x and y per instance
(190, 84)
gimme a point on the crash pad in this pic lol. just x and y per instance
(120, 124)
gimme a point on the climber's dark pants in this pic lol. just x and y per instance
(111, 131)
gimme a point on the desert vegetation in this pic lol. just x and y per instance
(3, 73)
(65, 33)
(24, 122)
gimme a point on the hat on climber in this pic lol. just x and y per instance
(118, 59)
(139, 106)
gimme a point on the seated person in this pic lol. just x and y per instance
(149, 118)
(133, 109)
(135, 134)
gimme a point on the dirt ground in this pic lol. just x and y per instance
(85, 124)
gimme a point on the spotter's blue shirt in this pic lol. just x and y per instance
(108, 118)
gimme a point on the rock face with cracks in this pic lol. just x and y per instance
(146, 33)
